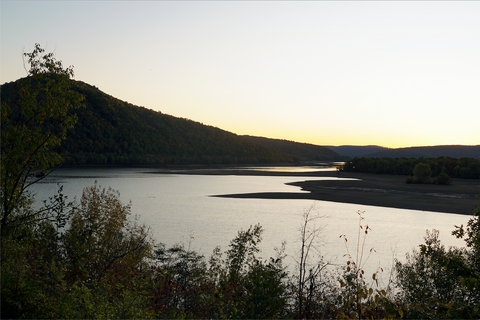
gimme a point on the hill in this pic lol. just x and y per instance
(302, 151)
(355, 151)
(111, 131)
(453, 151)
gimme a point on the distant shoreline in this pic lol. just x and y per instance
(371, 189)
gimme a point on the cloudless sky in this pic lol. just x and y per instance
(395, 74)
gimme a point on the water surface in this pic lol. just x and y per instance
(179, 209)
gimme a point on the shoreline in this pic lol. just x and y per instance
(369, 189)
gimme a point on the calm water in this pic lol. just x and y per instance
(179, 209)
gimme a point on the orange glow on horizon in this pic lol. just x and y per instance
(342, 140)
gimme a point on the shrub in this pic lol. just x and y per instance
(443, 178)
(422, 173)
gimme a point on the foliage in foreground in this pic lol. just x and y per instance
(438, 283)
(94, 261)
(90, 267)
(35, 117)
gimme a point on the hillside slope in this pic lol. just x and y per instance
(111, 131)
(355, 151)
(303, 151)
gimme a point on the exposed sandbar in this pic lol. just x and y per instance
(371, 189)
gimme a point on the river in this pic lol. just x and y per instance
(179, 209)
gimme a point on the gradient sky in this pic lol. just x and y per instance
(395, 74)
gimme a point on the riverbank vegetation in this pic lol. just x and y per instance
(453, 151)
(464, 168)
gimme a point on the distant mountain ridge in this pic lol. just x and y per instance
(355, 151)
(303, 151)
(453, 151)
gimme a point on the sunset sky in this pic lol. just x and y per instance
(389, 73)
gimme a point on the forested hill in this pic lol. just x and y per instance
(303, 151)
(356, 151)
(111, 131)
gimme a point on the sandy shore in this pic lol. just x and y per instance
(370, 189)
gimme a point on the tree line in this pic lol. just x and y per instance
(465, 168)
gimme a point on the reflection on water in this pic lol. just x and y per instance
(332, 166)
(321, 166)
(294, 169)
(178, 208)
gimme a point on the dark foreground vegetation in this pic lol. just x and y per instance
(464, 168)
(91, 260)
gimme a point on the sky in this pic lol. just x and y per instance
(388, 73)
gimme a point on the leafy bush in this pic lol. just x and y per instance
(443, 178)
(440, 283)
(422, 173)
(237, 286)
(92, 267)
